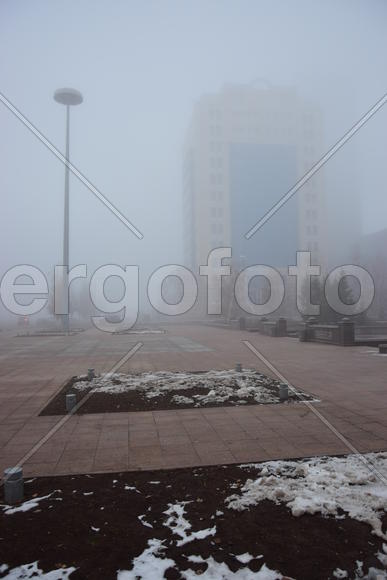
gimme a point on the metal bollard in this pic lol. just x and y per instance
(238, 367)
(90, 374)
(13, 485)
(283, 392)
(71, 401)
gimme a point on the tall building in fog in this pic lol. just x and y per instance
(246, 146)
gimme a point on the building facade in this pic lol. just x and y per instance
(245, 148)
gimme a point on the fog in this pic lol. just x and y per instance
(141, 67)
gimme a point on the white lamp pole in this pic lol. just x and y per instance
(67, 97)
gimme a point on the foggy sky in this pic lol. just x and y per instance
(141, 66)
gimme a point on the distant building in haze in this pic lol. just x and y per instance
(246, 147)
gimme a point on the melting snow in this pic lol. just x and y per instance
(144, 523)
(27, 505)
(220, 571)
(382, 556)
(32, 571)
(218, 386)
(131, 488)
(321, 485)
(179, 525)
(148, 564)
(246, 558)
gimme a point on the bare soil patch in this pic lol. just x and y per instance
(101, 524)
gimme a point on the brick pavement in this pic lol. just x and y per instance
(351, 383)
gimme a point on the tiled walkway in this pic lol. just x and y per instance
(351, 383)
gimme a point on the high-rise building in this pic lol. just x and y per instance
(246, 147)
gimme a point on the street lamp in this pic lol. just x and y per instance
(67, 97)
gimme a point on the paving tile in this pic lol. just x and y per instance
(178, 449)
(218, 458)
(233, 435)
(70, 455)
(15, 449)
(250, 455)
(39, 469)
(210, 447)
(178, 439)
(81, 443)
(145, 453)
(143, 441)
(47, 454)
(175, 461)
(74, 467)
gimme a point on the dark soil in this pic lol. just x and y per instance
(137, 401)
(59, 533)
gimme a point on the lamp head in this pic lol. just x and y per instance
(68, 97)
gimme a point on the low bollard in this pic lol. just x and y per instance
(71, 401)
(13, 485)
(238, 367)
(383, 348)
(303, 335)
(283, 392)
(90, 374)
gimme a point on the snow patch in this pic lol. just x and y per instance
(144, 523)
(220, 571)
(218, 386)
(148, 564)
(321, 485)
(245, 558)
(181, 400)
(32, 571)
(27, 505)
(131, 488)
(179, 525)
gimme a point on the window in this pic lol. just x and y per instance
(216, 178)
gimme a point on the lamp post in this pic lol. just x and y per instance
(67, 97)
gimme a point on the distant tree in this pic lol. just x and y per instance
(345, 290)
(313, 287)
(317, 296)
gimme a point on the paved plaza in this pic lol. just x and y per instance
(350, 383)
